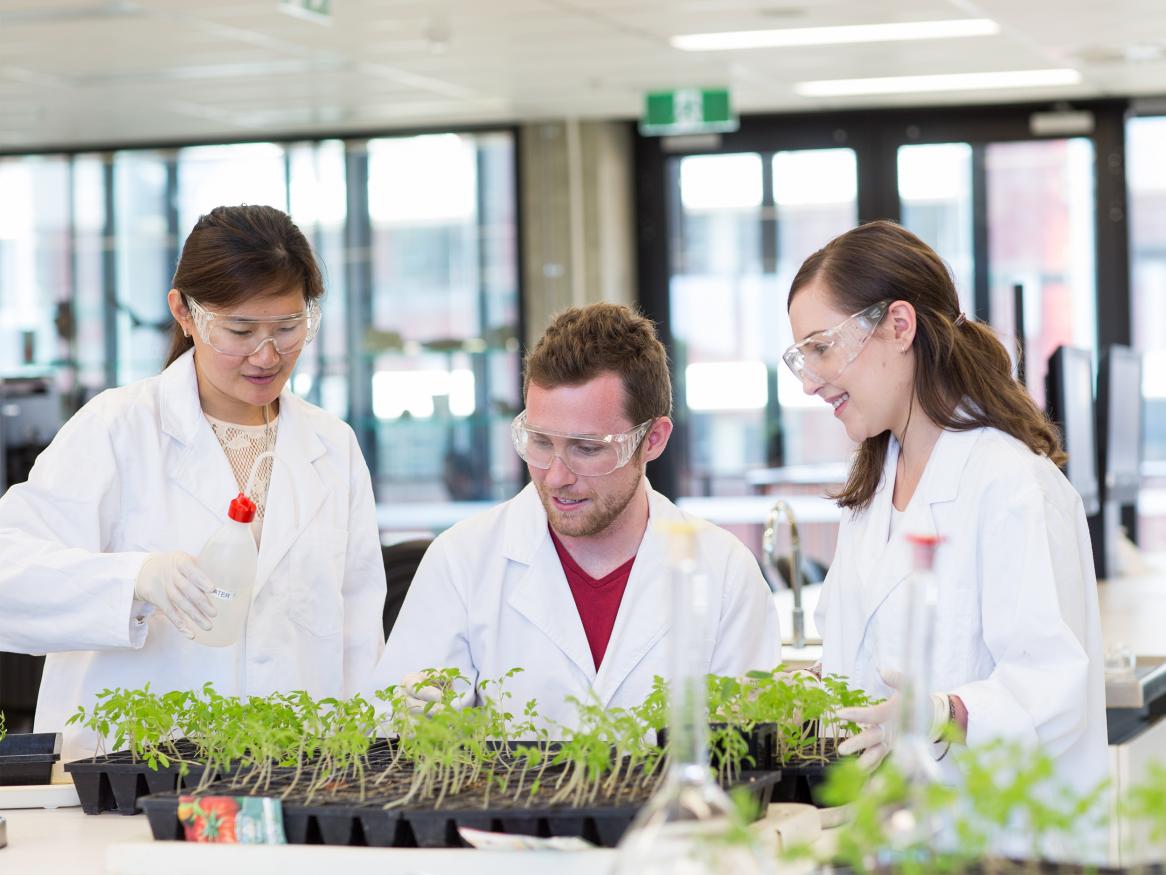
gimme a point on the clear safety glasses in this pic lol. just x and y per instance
(587, 455)
(244, 336)
(823, 356)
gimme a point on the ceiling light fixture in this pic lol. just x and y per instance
(822, 36)
(79, 12)
(942, 82)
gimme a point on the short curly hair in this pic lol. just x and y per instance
(584, 342)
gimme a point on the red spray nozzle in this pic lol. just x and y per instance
(242, 509)
(923, 548)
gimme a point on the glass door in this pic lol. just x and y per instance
(741, 225)
(1037, 232)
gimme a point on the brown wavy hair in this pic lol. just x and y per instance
(234, 254)
(963, 373)
(582, 343)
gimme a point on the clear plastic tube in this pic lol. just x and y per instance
(271, 454)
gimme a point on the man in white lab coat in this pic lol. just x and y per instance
(569, 580)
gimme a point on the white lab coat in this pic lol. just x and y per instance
(490, 595)
(138, 470)
(1018, 635)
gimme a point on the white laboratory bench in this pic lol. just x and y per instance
(432, 517)
(1133, 614)
(67, 842)
(426, 518)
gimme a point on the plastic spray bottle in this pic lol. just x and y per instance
(229, 559)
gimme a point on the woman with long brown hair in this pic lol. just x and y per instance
(949, 445)
(97, 549)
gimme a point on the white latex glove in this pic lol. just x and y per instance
(175, 584)
(421, 693)
(808, 674)
(880, 722)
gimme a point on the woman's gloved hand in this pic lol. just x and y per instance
(880, 723)
(423, 694)
(174, 584)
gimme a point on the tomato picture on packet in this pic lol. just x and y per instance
(244, 820)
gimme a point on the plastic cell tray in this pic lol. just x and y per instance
(27, 758)
(369, 823)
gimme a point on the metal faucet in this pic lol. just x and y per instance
(768, 548)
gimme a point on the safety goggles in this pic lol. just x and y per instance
(587, 455)
(823, 356)
(244, 336)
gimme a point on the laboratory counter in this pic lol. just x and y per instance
(67, 842)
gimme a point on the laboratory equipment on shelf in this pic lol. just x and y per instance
(30, 415)
(680, 830)
(769, 550)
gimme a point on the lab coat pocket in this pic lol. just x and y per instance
(311, 580)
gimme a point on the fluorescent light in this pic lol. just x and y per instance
(822, 36)
(943, 82)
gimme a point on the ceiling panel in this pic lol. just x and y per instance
(73, 72)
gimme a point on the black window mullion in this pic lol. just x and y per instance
(657, 184)
(358, 280)
(981, 291)
(1114, 323)
(109, 313)
(770, 253)
(877, 158)
(480, 425)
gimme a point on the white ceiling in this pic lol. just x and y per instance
(77, 72)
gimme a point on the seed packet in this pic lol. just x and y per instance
(243, 820)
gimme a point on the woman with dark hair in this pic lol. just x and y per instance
(97, 549)
(949, 445)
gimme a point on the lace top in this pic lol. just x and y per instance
(243, 444)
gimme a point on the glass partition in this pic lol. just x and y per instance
(743, 225)
(444, 333)
(89, 245)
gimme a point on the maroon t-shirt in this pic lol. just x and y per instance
(597, 600)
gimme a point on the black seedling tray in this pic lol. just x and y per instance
(802, 783)
(802, 780)
(369, 823)
(761, 741)
(27, 758)
(116, 782)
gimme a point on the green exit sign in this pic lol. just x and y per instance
(319, 11)
(688, 111)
